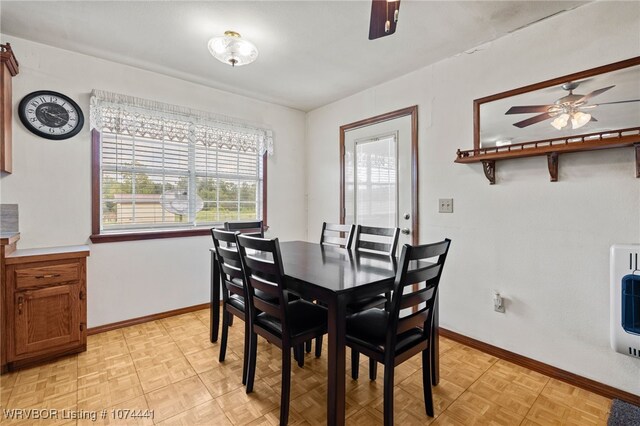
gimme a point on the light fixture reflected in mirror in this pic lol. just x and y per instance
(579, 119)
(560, 121)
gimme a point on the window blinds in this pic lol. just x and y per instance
(167, 167)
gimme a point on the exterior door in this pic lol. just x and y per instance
(380, 173)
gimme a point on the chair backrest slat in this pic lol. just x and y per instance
(416, 319)
(416, 287)
(263, 267)
(425, 273)
(415, 298)
(254, 228)
(335, 234)
(269, 308)
(429, 250)
(375, 244)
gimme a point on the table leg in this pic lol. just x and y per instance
(336, 364)
(435, 346)
(215, 299)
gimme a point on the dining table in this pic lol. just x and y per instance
(335, 277)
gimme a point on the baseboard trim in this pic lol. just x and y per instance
(546, 369)
(146, 318)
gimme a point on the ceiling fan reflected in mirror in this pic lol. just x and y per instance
(570, 108)
(384, 17)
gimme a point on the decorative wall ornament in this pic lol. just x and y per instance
(146, 118)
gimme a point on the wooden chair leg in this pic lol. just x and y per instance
(318, 346)
(300, 354)
(307, 345)
(245, 361)
(230, 320)
(426, 382)
(388, 394)
(225, 335)
(355, 364)
(286, 386)
(253, 353)
(373, 369)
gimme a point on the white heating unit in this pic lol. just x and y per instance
(625, 299)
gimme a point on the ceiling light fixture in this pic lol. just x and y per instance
(232, 49)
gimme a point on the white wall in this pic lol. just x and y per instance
(543, 245)
(51, 183)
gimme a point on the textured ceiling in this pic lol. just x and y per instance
(311, 53)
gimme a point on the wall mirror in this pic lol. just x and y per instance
(592, 109)
(593, 101)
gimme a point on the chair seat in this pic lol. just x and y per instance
(368, 303)
(303, 317)
(368, 328)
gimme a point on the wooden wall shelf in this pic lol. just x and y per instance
(552, 148)
(8, 69)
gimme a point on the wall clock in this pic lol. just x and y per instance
(50, 115)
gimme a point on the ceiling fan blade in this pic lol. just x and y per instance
(588, 96)
(381, 12)
(533, 120)
(528, 109)
(617, 102)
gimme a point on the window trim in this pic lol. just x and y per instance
(111, 237)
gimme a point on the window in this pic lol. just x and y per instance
(160, 174)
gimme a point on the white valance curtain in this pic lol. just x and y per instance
(124, 114)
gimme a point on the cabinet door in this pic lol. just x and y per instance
(46, 318)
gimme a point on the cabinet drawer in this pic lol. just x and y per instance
(47, 275)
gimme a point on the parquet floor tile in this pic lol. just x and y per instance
(242, 408)
(177, 398)
(471, 409)
(208, 413)
(170, 368)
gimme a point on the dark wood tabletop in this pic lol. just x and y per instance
(334, 276)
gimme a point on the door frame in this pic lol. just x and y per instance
(413, 112)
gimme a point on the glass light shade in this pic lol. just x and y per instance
(579, 119)
(232, 49)
(560, 121)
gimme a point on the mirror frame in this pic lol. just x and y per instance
(536, 86)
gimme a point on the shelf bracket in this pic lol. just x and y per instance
(552, 162)
(489, 168)
(637, 147)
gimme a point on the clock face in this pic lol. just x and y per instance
(51, 115)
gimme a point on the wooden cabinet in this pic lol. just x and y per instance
(44, 304)
(8, 69)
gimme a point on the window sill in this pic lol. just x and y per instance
(148, 235)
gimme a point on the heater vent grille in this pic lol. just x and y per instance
(625, 299)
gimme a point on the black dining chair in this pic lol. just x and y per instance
(380, 241)
(334, 234)
(254, 228)
(233, 291)
(287, 324)
(390, 339)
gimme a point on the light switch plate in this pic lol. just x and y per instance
(445, 205)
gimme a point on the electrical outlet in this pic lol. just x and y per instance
(445, 205)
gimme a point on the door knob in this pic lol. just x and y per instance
(406, 231)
